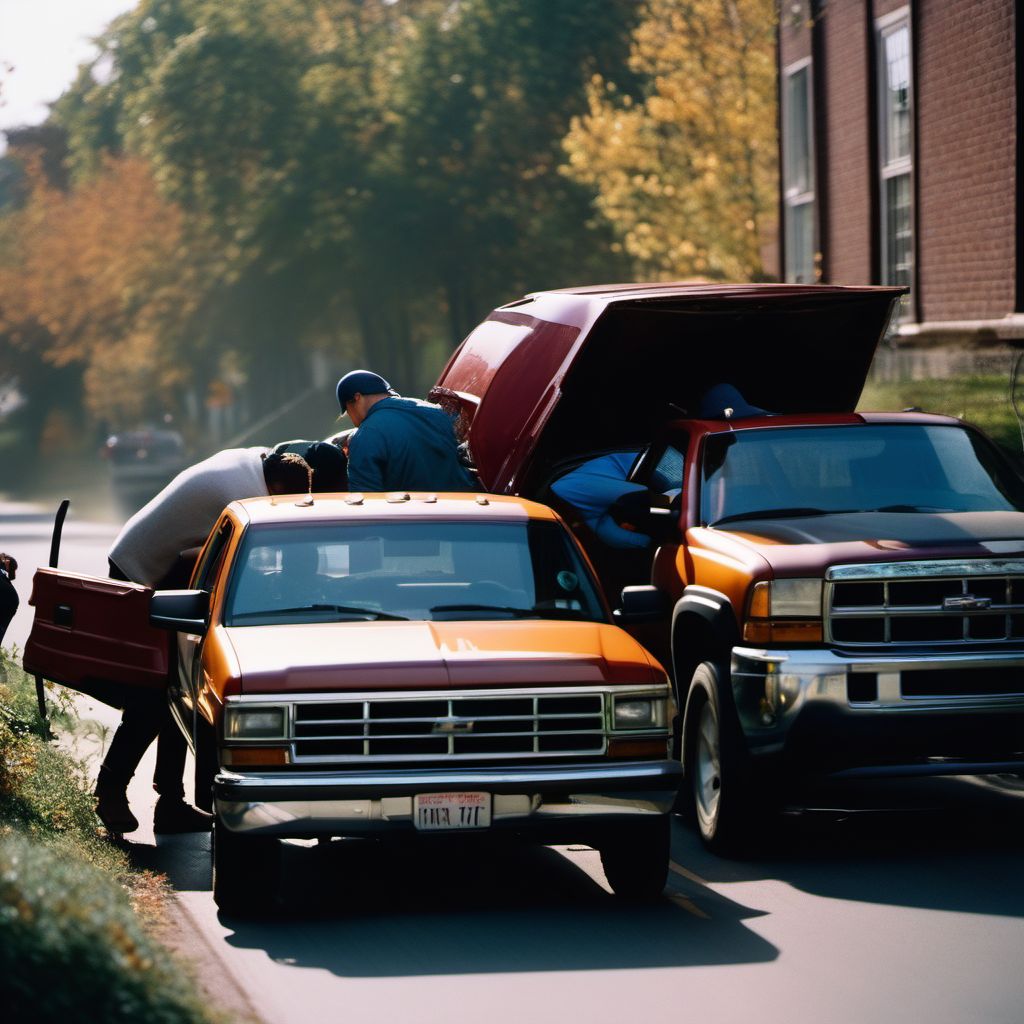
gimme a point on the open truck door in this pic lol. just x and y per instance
(89, 632)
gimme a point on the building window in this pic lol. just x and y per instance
(896, 150)
(798, 172)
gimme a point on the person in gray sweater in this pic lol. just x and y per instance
(158, 547)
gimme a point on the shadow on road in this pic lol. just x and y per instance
(360, 910)
(939, 844)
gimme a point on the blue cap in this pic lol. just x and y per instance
(362, 382)
(724, 402)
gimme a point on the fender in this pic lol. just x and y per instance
(717, 626)
(715, 612)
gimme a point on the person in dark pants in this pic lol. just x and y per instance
(146, 716)
(8, 595)
(177, 520)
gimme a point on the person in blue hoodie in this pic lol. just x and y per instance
(401, 444)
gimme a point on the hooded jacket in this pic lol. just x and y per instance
(404, 444)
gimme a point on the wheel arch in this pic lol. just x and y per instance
(703, 629)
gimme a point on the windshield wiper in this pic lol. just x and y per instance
(519, 613)
(782, 513)
(353, 609)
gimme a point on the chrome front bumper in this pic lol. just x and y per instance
(780, 692)
(542, 800)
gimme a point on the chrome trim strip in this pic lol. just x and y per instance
(798, 660)
(900, 611)
(931, 568)
(600, 774)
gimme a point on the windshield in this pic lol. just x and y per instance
(341, 572)
(780, 472)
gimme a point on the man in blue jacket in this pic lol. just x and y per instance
(401, 444)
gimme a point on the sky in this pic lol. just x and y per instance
(45, 41)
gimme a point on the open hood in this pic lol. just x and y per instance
(601, 368)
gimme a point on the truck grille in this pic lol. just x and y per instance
(448, 728)
(925, 603)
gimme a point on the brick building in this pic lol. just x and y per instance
(901, 157)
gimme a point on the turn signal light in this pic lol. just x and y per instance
(638, 748)
(771, 601)
(254, 756)
(778, 631)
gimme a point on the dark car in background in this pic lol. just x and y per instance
(142, 461)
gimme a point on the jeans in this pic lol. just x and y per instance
(146, 717)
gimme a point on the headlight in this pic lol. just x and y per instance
(255, 723)
(784, 611)
(795, 599)
(639, 713)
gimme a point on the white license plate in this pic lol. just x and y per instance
(434, 812)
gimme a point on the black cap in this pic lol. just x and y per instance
(329, 467)
(363, 382)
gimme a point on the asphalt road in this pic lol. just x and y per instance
(914, 913)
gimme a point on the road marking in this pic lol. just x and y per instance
(680, 870)
(688, 905)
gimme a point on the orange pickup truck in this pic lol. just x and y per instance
(836, 594)
(388, 666)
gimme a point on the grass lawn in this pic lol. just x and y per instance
(983, 401)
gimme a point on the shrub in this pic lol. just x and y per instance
(71, 947)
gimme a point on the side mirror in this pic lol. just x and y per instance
(641, 604)
(183, 610)
(650, 513)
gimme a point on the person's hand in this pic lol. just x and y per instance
(9, 564)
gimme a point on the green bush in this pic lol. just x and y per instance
(71, 948)
(44, 791)
(983, 400)
(71, 945)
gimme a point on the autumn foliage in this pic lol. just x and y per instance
(686, 169)
(251, 180)
(97, 277)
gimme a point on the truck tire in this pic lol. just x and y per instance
(635, 859)
(246, 872)
(717, 767)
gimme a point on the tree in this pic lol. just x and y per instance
(684, 166)
(95, 279)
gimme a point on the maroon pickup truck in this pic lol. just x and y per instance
(836, 594)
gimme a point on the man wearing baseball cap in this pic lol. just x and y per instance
(401, 444)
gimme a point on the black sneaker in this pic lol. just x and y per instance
(175, 816)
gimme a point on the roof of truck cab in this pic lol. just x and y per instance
(912, 417)
(297, 508)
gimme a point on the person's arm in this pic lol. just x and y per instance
(367, 460)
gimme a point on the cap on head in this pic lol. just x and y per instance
(725, 402)
(361, 382)
(329, 467)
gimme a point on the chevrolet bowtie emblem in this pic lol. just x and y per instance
(452, 725)
(967, 603)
